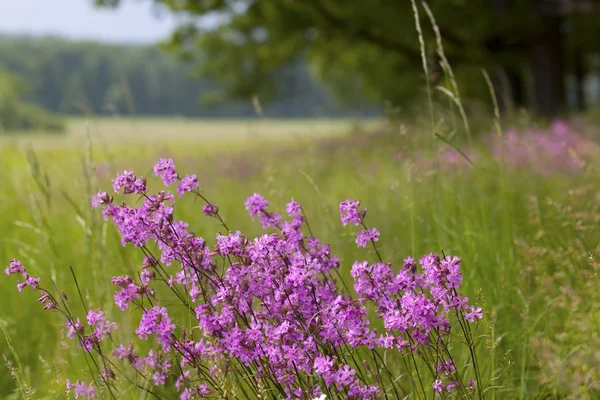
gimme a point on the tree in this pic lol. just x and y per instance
(81, 77)
(374, 42)
(17, 115)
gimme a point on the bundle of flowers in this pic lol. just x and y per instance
(561, 148)
(271, 316)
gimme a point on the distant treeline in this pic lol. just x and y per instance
(78, 77)
(17, 115)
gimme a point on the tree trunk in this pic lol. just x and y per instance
(509, 88)
(579, 72)
(546, 58)
(508, 82)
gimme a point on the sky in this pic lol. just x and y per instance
(134, 22)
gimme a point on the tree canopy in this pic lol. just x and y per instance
(373, 45)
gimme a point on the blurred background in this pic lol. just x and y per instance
(300, 59)
(464, 126)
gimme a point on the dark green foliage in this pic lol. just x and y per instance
(17, 115)
(373, 45)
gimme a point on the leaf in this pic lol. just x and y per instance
(443, 139)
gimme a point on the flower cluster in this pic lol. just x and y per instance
(129, 183)
(269, 308)
(561, 148)
(16, 267)
(81, 389)
(351, 214)
(99, 328)
(156, 321)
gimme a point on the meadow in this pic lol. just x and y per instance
(524, 221)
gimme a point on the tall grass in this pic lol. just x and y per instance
(49, 225)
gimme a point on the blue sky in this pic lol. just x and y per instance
(134, 22)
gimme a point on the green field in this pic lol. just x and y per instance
(115, 130)
(528, 240)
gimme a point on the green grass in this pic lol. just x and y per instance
(489, 216)
(115, 130)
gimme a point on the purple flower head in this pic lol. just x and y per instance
(367, 235)
(410, 264)
(474, 314)
(344, 376)
(159, 378)
(107, 374)
(122, 281)
(349, 212)
(461, 303)
(127, 295)
(256, 205)
(81, 390)
(293, 209)
(100, 325)
(156, 321)
(146, 276)
(87, 343)
(187, 184)
(47, 301)
(15, 267)
(161, 369)
(29, 281)
(93, 317)
(129, 183)
(123, 351)
(203, 390)
(437, 386)
(74, 328)
(123, 179)
(270, 220)
(230, 244)
(210, 209)
(323, 365)
(165, 169)
(182, 380)
(149, 262)
(472, 385)
(186, 394)
(196, 391)
(100, 198)
(447, 368)
(357, 391)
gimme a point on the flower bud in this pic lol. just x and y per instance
(106, 198)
